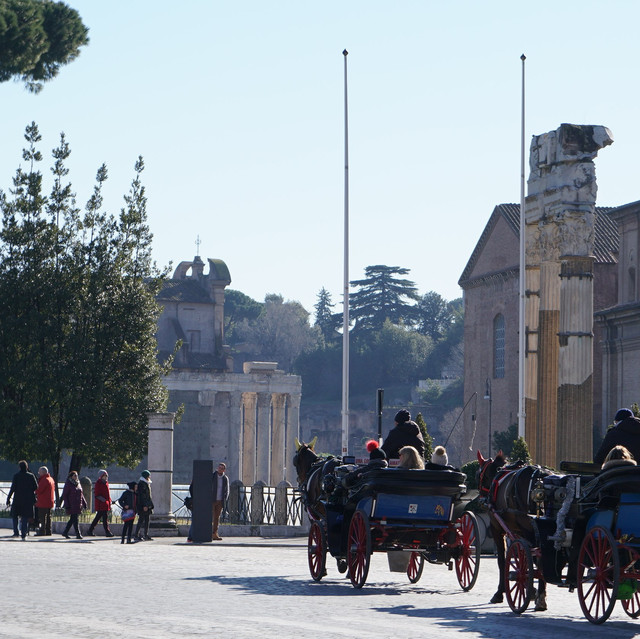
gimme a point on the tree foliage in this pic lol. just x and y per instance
(280, 334)
(325, 319)
(238, 307)
(520, 451)
(382, 296)
(504, 440)
(78, 368)
(38, 37)
(428, 440)
(434, 315)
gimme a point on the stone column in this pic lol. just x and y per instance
(263, 450)
(278, 460)
(234, 465)
(160, 465)
(561, 201)
(532, 310)
(575, 370)
(249, 401)
(293, 431)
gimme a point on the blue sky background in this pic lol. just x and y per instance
(237, 109)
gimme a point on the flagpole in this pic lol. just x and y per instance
(345, 296)
(523, 266)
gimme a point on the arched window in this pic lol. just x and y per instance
(498, 346)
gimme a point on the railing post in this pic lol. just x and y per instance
(235, 492)
(281, 503)
(257, 503)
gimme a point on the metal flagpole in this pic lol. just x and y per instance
(345, 298)
(523, 265)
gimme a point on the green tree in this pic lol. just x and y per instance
(505, 439)
(37, 38)
(325, 319)
(382, 296)
(281, 332)
(237, 308)
(435, 315)
(428, 440)
(78, 368)
(520, 451)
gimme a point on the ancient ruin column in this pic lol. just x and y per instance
(575, 379)
(249, 401)
(234, 461)
(263, 450)
(278, 462)
(561, 200)
(532, 309)
(160, 465)
(293, 431)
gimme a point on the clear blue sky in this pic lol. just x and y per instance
(237, 109)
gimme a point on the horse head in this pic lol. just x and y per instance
(304, 458)
(487, 471)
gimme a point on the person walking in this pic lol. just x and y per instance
(74, 502)
(404, 433)
(145, 506)
(45, 499)
(625, 432)
(23, 490)
(220, 494)
(101, 504)
(127, 502)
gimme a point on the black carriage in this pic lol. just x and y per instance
(587, 531)
(420, 513)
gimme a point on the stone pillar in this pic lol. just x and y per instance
(575, 371)
(293, 431)
(234, 465)
(278, 461)
(532, 310)
(561, 202)
(249, 401)
(160, 465)
(263, 450)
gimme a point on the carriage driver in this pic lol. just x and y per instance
(625, 432)
(405, 433)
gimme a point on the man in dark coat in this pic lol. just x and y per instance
(144, 506)
(23, 488)
(405, 433)
(220, 495)
(625, 432)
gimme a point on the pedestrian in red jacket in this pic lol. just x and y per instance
(45, 499)
(102, 504)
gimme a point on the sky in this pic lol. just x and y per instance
(238, 111)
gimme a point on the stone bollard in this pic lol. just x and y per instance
(235, 490)
(87, 490)
(282, 507)
(257, 503)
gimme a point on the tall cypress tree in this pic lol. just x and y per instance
(78, 368)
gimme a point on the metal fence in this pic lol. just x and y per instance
(254, 505)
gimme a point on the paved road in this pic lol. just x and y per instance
(253, 588)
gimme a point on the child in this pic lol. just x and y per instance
(128, 502)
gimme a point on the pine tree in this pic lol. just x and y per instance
(383, 296)
(520, 451)
(428, 440)
(325, 319)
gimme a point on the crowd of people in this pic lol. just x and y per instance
(32, 500)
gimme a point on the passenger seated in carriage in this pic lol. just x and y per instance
(410, 458)
(377, 459)
(440, 460)
(618, 456)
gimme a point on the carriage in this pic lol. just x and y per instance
(585, 535)
(416, 514)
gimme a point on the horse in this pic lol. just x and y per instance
(311, 470)
(506, 491)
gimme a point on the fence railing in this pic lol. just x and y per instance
(249, 505)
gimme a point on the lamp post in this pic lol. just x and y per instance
(487, 395)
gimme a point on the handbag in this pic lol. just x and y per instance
(188, 503)
(128, 515)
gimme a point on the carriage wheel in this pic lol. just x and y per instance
(518, 576)
(415, 567)
(359, 549)
(632, 606)
(468, 561)
(598, 574)
(317, 551)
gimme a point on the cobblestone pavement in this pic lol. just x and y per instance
(253, 588)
